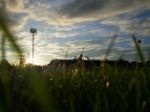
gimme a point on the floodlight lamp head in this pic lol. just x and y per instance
(33, 30)
(139, 41)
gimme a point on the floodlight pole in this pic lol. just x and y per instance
(32, 47)
(33, 31)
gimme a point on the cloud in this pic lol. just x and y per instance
(71, 12)
(14, 11)
(16, 5)
(87, 44)
(135, 22)
(42, 12)
(63, 35)
(80, 8)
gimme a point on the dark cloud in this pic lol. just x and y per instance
(78, 8)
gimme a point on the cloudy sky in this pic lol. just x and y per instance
(66, 27)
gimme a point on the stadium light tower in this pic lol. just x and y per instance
(33, 31)
(139, 42)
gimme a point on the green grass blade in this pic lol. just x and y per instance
(5, 30)
(110, 46)
(138, 49)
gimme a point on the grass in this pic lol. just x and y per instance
(101, 90)
(28, 89)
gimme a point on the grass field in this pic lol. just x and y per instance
(25, 89)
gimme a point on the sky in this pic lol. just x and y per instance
(65, 28)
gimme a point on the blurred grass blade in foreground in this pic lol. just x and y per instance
(4, 28)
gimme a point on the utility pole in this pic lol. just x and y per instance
(33, 31)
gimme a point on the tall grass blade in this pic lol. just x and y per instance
(148, 53)
(110, 46)
(138, 49)
(5, 30)
(3, 48)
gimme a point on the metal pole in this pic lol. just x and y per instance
(33, 48)
(33, 31)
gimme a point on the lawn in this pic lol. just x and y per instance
(104, 89)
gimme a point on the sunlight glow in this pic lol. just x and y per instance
(34, 61)
(29, 60)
